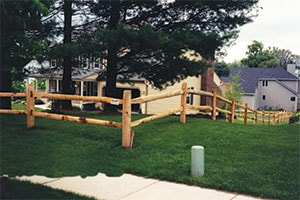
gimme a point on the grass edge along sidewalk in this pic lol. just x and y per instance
(257, 160)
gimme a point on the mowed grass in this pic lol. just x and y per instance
(256, 160)
(14, 189)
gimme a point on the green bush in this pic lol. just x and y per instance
(294, 119)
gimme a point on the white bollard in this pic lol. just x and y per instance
(197, 161)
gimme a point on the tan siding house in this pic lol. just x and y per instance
(157, 106)
(173, 102)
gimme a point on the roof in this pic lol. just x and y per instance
(77, 74)
(251, 76)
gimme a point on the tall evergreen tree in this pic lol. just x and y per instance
(174, 28)
(22, 39)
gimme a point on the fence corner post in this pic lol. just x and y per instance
(232, 109)
(126, 119)
(214, 105)
(183, 102)
(30, 106)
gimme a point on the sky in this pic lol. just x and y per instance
(277, 24)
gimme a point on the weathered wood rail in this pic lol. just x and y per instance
(235, 109)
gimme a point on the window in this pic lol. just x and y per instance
(90, 89)
(293, 98)
(263, 97)
(53, 63)
(265, 83)
(190, 97)
(97, 63)
(52, 85)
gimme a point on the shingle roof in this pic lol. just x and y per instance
(77, 73)
(251, 76)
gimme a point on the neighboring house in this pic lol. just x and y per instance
(268, 88)
(83, 76)
(87, 83)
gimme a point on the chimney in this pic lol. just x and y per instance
(291, 68)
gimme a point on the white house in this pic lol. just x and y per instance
(269, 88)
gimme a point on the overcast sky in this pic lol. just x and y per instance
(278, 24)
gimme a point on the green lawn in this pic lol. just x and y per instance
(14, 189)
(257, 160)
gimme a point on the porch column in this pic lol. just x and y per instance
(81, 93)
(47, 86)
(81, 88)
(57, 85)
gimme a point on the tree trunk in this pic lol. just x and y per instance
(5, 86)
(112, 68)
(67, 61)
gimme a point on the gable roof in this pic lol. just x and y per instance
(251, 76)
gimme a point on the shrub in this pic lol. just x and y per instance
(294, 119)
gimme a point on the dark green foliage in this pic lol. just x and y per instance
(222, 69)
(22, 39)
(261, 160)
(19, 86)
(146, 38)
(294, 119)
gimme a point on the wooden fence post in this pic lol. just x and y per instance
(246, 113)
(232, 109)
(269, 118)
(263, 117)
(214, 105)
(126, 119)
(30, 106)
(255, 117)
(183, 102)
(273, 118)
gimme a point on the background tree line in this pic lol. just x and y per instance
(259, 56)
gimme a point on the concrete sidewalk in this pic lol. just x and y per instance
(130, 187)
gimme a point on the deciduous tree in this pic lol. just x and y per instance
(259, 56)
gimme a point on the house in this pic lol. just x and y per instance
(84, 78)
(268, 88)
(86, 83)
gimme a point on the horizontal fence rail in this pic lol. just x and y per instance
(231, 110)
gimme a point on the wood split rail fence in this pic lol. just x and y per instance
(235, 109)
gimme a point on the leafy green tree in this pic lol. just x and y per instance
(257, 56)
(234, 89)
(18, 86)
(22, 39)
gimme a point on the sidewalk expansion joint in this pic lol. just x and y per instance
(139, 190)
(45, 183)
(236, 195)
